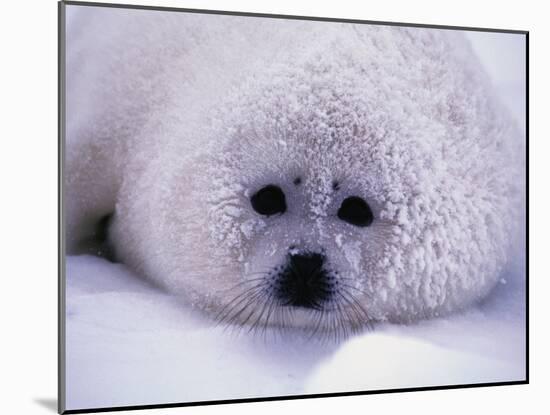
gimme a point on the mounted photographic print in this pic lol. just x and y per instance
(264, 207)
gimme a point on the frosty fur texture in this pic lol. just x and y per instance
(175, 120)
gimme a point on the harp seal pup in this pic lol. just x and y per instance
(301, 174)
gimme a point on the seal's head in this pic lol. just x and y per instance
(368, 179)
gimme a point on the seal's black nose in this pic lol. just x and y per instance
(304, 282)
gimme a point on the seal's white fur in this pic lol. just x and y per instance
(175, 120)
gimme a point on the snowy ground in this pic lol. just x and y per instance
(129, 343)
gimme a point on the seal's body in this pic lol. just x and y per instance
(307, 174)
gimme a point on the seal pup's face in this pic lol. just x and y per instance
(303, 260)
(295, 205)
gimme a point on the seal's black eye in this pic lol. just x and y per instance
(355, 211)
(269, 200)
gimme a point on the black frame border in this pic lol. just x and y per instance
(61, 223)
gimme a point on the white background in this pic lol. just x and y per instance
(28, 186)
